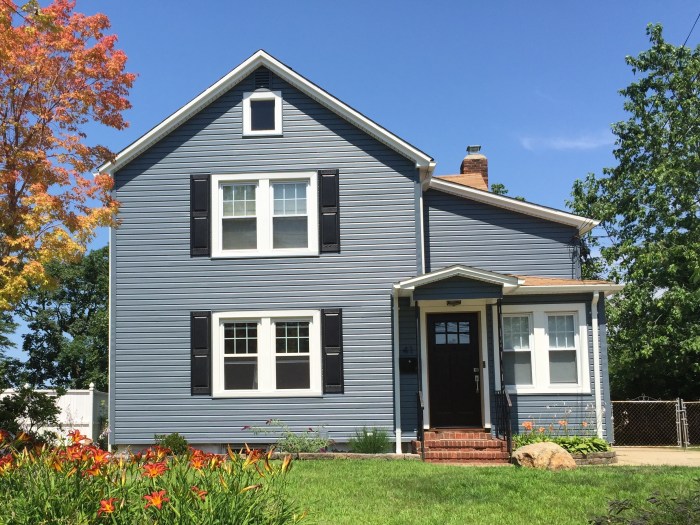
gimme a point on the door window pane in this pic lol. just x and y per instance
(517, 368)
(562, 366)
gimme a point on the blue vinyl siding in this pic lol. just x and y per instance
(461, 231)
(157, 284)
(457, 288)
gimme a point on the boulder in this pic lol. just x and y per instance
(545, 455)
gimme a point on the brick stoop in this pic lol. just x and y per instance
(462, 446)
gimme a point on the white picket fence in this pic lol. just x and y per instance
(84, 410)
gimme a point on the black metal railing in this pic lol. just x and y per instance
(504, 407)
(419, 429)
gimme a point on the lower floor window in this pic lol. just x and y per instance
(274, 353)
(545, 348)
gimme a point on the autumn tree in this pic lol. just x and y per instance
(59, 73)
(649, 238)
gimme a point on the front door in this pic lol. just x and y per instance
(454, 371)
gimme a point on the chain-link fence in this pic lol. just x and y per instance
(646, 423)
(692, 416)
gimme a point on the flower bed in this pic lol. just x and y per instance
(562, 436)
(79, 483)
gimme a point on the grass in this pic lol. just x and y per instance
(410, 492)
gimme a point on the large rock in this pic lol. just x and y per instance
(545, 455)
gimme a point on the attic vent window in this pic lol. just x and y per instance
(262, 79)
(262, 113)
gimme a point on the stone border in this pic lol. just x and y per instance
(346, 455)
(595, 458)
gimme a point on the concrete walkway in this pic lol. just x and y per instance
(637, 456)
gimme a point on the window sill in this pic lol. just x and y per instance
(261, 255)
(273, 133)
(255, 394)
(532, 390)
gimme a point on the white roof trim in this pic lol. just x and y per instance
(566, 288)
(261, 58)
(543, 212)
(466, 272)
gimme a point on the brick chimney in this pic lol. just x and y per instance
(476, 168)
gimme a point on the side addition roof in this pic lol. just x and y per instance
(583, 224)
(261, 58)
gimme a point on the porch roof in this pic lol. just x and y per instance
(450, 283)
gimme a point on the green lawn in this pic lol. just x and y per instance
(341, 492)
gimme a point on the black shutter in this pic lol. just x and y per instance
(329, 211)
(332, 344)
(200, 235)
(200, 368)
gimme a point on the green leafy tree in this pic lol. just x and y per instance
(500, 189)
(649, 205)
(68, 325)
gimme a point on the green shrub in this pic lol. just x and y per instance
(310, 440)
(572, 444)
(175, 442)
(370, 441)
(679, 509)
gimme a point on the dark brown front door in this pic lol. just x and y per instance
(453, 366)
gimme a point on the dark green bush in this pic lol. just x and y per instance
(679, 509)
(175, 442)
(370, 441)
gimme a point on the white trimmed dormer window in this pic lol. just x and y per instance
(545, 349)
(265, 215)
(262, 113)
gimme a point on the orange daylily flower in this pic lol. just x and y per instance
(6, 463)
(76, 437)
(4, 436)
(201, 494)
(540, 430)
(107, 506)
(153, 470)
(156, 499)
(197, 462)
(563, 422)
(584, 424)
(527, 425)
(95, 470)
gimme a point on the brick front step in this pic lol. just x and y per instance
(432, 434)
(440, 444)
(465, 455)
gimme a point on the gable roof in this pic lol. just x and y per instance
(261, 58)
(512, 284)
(583, 224)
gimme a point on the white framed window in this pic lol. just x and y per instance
(545, 349)
(264, 215)
(517, 349)
(265, 354)
(262, 113)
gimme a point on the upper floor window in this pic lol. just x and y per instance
(273, 214)
(262, 113)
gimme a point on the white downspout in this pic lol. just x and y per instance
(397, 378)
(596, 366)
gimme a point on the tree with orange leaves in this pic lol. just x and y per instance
(59, 71)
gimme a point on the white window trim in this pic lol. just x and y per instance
(540, 349)
(266, 353)
(262, 95)
(263, 212)
(531, 342)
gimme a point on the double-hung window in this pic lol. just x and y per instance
(545, 348)
(267, 353)
(265, 215)
(517, 349)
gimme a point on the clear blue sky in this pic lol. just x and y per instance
(535, 83)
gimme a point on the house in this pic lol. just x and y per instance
(280, 255)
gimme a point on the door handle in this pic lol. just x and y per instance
(477, 381)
